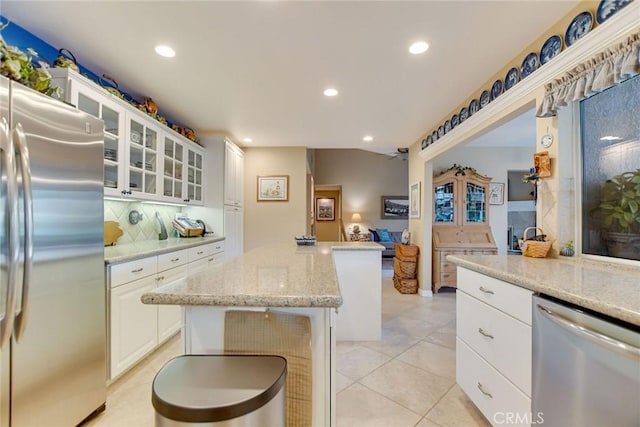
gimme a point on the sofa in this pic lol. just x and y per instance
(389, 250)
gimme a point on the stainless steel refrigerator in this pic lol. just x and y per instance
(52, 293)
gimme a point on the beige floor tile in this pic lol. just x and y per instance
(359, 406)
(455, 409)
(342, 382)
(431, 357)
(418, 328)
(443, 337)
(407, 385)
(130, 407)
(360, 362)
(392, 343)
(425, 422)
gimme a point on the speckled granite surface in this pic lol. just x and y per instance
(136, 250)
(277, 275)
(606, 288)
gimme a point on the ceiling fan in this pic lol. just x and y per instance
(402, 153)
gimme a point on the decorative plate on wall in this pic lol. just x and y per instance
(434, 136)
(550, 48)
(484, 98)
(428, 139)
(529, 65)
(464, 114)
(608, 8)
(496, 89)
(473, 107)
(512, 77)
(447, 126)
(440, 131)
(454, 121)
(579, 27)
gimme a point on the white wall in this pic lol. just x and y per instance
(268, 222)
(494, 162)
(364, 177)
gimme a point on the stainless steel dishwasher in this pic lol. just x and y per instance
(586, 369)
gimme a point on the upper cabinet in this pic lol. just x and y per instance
(233, 174)
(461, 199)
(143, 159)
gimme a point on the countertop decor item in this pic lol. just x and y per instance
(112, 232)
(305, 240)
(568, 249)
(536, 246)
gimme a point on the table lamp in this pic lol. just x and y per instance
(356, 218)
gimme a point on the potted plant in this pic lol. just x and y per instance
(620, 210)
(568, 249)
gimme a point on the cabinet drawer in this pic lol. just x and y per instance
(447, 267)
(173, 259)
(448, 278)
(132, 270)
(511, 299)
(492, 393)
(500, 339)
(200, 252)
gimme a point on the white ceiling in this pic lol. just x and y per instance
(258, 69)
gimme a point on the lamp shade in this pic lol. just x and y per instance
(356, 217)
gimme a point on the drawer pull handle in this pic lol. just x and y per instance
(218, 247)
(486, 291)
(160, 278)
(175, 260)
(483, 333)
(137, 270)
(210, 259)
(200, 252)
(484, 392)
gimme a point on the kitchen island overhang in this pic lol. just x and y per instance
(336, 285)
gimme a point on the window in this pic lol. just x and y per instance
(610, 134)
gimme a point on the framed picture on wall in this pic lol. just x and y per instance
(496, 193)
(394, 207)
(414, 200)
(325, 209)
(273, 188)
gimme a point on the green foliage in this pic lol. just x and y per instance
(460, 170)
(569, 244)
(620, 203)
(17, 66)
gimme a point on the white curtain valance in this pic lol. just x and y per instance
(605, 69)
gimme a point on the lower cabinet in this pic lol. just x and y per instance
(136, 329)
(493, 347)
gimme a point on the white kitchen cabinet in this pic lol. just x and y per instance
(205, 256)
(170, 316)
(136, 329)
(233, 231)
(493, 345)
(133, 325)
(195, 176)
(233, 174)
(143, 159)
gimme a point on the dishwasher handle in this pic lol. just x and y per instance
(611, 344)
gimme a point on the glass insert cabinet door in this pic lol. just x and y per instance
(475, 206)
(444, 203)
(143, 157)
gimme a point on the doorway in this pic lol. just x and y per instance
(521, 210)
(328, 213)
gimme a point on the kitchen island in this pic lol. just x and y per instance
(284, 286)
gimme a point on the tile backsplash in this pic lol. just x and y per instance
(147, 228)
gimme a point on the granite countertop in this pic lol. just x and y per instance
(276, 275)
(132, 251)
(607, 288)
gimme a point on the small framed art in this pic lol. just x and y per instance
(414, 200)
(325, 209)
(273, 188)
(496, 193)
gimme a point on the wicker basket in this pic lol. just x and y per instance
(405, 286)
(534, 248)
(404, 269)
(406, 250)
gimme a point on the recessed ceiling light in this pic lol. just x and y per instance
(247, 140)
(330, 92)
(368, 138)
(165, 51)
(418, 47)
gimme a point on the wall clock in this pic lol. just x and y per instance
(547, 140)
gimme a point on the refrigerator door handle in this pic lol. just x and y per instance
(13, 234)
(25, 169)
